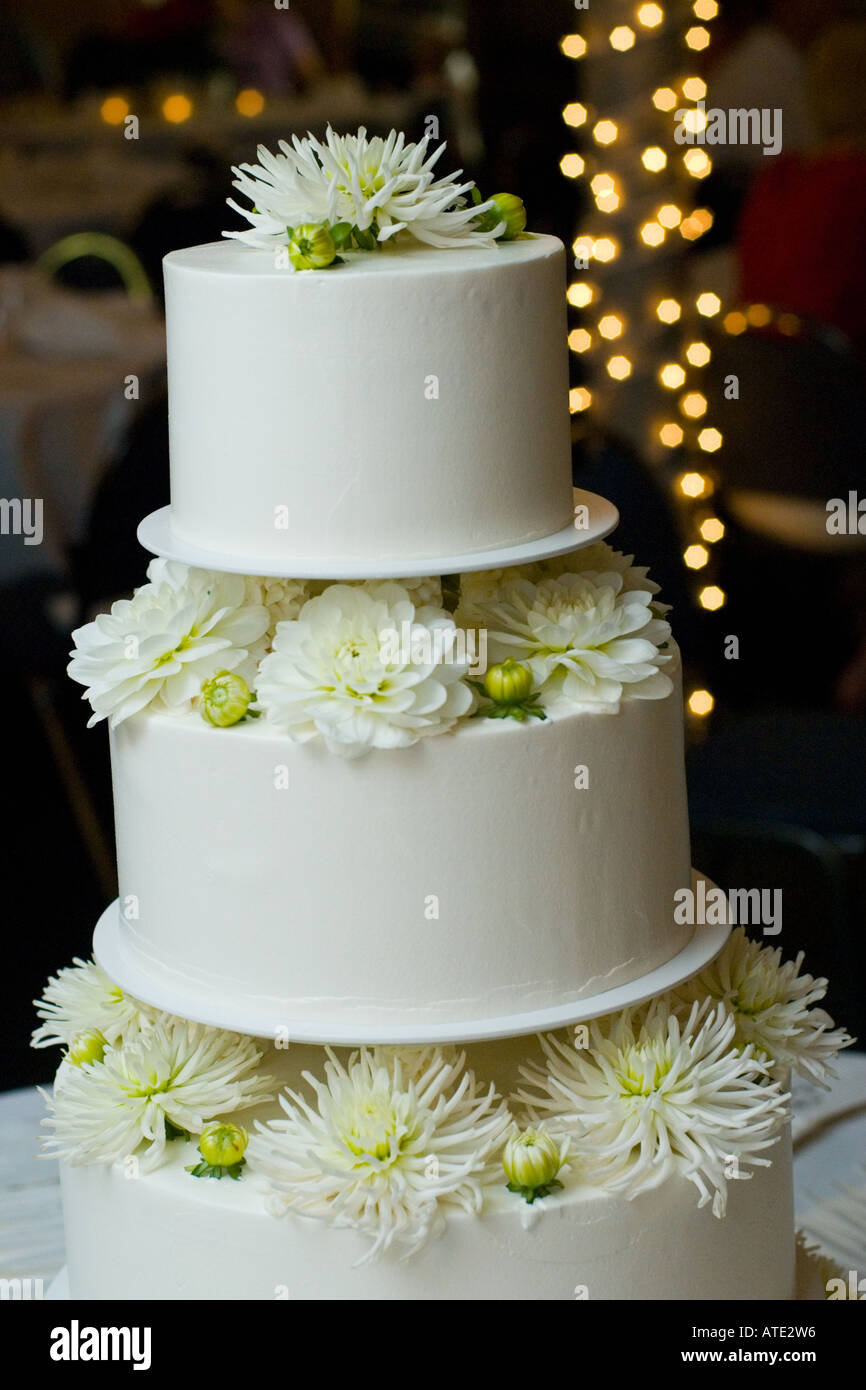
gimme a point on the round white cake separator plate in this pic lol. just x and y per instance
(157, 534)
(265, 1019)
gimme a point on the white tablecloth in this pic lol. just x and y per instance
(62, 417)
(829, 1144)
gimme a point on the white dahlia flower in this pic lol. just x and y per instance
(381, 187)
(176, 1074)
(484, 586)
(425, 589)
(176, 631)
(653, 1095)
(381, 1152)
(82, 999)
(587, 640)
(361, 668)
(771, 1004)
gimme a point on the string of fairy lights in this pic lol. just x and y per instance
(643, 185)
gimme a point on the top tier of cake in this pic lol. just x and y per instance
(410, 403)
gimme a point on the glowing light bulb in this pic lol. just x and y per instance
(693, 485)
(758, 315)
(579, 398)
(668, 311)
(708, 304)
(712, 529)
(651, 16)
(607, 202)
(651, 234)
(621, 38)
(249, 102)
(572, 166)
(114, 110)
(611, 326)
(177, 108)
(734, 322)
(712, 598)
(605, 249)
(573, 46)
(698, 354)
(654, 159)
(605, 132)
(696, 556)
(579, 294)
(694, 89)
(579, 340)
(574, 113)
(669, 216)
(694, 120)
(697, 37)
(619, 368)
(698, 163)
(583, 246)
(710, 440)
(672, 375)
(701, 702)
(693, 405)
(664, 98)
(603, 183)
(705, 9)
(671, 435)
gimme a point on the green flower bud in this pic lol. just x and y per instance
(507, 208)
(311, 247)
(509, 682)
(224, 699)
(86, 1048)
(531, 1160)
(222, 1145)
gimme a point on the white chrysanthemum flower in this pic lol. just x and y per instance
(175, 632)
(425, 589)
(771, 1003)
(653, 1095)
(587, 640)
(177, 1072)
(283, 598)
(363, 668)
(379, 186)
(82, 999)
(382, 1153)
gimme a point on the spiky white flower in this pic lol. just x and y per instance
(176, 631)
(587, 639)
(82, 999)
(653, 1095)
(771, 1003)
(425, 589)
(363, 668)
(381, 1152)
(381, 187)
(177, 1072)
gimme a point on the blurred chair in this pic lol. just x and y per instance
(795, 435)
(778, 800)
(96, 261)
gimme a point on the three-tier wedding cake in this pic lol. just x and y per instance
(401, 820)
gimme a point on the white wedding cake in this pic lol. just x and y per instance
(397, 757)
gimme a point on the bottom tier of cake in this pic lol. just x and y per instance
(168, 1236)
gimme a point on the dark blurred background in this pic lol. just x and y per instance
(717, 327)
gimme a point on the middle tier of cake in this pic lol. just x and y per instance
(492, 871)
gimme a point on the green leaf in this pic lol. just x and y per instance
(341, 232)
(476, 195)
(173, 1131)
(290, 232)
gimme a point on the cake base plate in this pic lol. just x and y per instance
(157, 534)
(264, 1019)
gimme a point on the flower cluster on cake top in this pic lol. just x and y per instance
(317, 197)
(389, 1140)
(379, 663)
